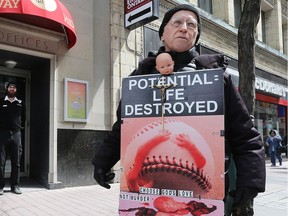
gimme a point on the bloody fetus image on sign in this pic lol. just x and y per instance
(166, 206)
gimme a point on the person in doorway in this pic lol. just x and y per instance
(164, 63)
(12, 112)
(179, 32)
(274, 142)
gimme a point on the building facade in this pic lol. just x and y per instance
(57, 151)
(51, 68)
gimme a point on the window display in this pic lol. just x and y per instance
(270, 116)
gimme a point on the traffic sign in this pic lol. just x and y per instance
(140, 12)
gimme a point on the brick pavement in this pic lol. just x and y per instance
(72, 201)
(97, 201)
(274, 201)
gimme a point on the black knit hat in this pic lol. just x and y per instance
(11, 83)
(172, 11)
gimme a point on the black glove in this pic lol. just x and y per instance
(103, 177)
(242, 196)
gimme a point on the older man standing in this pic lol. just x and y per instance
(179, 32)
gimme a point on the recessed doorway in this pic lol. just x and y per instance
(33, 72)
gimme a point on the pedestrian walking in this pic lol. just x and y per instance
(274, 142)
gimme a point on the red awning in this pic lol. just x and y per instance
(49, 14)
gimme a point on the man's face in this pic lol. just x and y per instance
(181, 31)
(11, 91)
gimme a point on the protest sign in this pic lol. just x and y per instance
(172, 143)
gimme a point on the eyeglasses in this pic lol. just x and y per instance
(178, 22)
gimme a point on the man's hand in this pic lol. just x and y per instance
(102, 177)
(243, 195)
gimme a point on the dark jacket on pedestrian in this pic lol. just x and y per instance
(274, 142)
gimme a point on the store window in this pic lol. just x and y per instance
(263, 26)
(237, 12)
(270, 116)
(205, 5)
(151, 41)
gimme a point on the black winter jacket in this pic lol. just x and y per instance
(242, 140)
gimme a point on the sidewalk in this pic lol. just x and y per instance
(98, 201)
(72, 201)
(275, 199)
